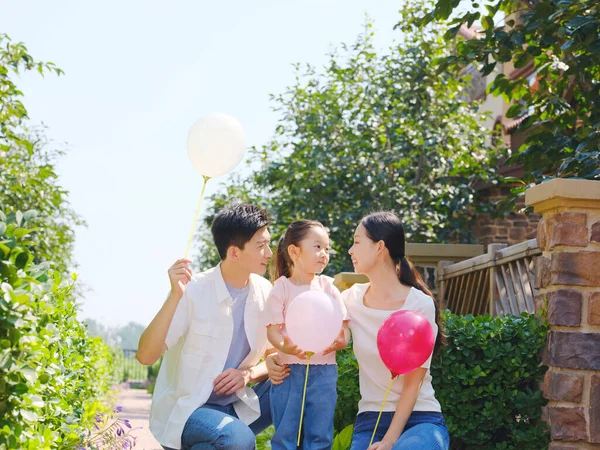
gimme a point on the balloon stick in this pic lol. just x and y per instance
(308, 355)
(189, 244)
(381, 411)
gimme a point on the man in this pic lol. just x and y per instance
(212, 329)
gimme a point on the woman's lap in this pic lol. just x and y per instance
(423, 431)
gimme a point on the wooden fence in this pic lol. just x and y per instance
(500, 282)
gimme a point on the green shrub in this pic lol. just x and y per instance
(53, 376)
(486, 379)
(348, 391)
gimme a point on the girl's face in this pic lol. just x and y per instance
(364, 252)
(312, 254)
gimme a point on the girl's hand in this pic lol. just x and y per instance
(289, 348)
(340, 343)
(381, 446)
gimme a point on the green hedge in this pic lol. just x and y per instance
(486, 379)
(53, 375)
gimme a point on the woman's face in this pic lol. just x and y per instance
(364, 252)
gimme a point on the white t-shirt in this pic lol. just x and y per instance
(373, 374)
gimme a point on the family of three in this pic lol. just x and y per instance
(229, 370)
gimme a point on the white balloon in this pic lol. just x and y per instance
(216, 144)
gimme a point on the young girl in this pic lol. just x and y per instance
(302, 254)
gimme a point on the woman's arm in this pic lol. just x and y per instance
(408, 398)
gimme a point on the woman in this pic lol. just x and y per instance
(412, 417)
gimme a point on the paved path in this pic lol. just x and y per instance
(136, 408)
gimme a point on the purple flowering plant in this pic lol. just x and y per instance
(110, 433)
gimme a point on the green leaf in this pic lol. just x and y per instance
(29, 416)
(487, 22)
(30, 215)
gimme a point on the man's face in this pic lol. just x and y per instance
(256, 253)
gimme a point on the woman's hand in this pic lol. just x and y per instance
(381, 446)
(277, 371)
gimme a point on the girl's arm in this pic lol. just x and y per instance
(283, 343)
(408, 398)
(341, 341)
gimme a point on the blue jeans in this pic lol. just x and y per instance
(423, 431)
(286, 406)
(213, 427)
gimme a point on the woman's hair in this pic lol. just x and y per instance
(294, 234)
(387, 227)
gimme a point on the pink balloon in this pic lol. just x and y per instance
(313, 321)
(405, 341)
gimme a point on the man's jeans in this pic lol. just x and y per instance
(423, 431)
(213, 427)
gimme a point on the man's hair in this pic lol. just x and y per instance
(236, 224)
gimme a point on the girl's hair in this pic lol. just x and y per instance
(294, 234)
(387, 227)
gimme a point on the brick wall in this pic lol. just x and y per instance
(515, 227)
(568, 283)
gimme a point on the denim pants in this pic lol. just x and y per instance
(213, 427)
(286, 406)
(423, 431)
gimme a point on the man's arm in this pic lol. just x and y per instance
(152, 342)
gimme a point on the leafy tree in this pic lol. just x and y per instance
(372, 132)
(561, 38)
(28, 180)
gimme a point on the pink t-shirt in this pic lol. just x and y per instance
(280, 297)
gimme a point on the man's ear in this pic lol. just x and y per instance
(233, 253)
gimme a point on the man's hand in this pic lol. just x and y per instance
(179, 275)
(277, 371)
(230, 381)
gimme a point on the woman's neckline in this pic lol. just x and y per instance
(362, 300)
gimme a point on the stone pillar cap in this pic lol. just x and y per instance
(564, 193)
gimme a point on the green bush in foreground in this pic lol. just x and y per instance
(53, 376)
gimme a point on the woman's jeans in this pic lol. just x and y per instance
(423, 431)
(213, 427)
(286, 407)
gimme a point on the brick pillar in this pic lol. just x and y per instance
(568, 278)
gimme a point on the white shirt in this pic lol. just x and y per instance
(198, 343)
(373, 374)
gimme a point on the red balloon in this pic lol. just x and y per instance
(405, 341)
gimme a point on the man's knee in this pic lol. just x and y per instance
(236, 435)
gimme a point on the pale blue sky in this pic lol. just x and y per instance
(138, 74)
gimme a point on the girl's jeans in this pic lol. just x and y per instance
(286, 405)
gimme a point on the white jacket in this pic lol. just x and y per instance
(198, 343)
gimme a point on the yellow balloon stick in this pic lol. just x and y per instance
(308, 355)
(189, 244)
(381, 411)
